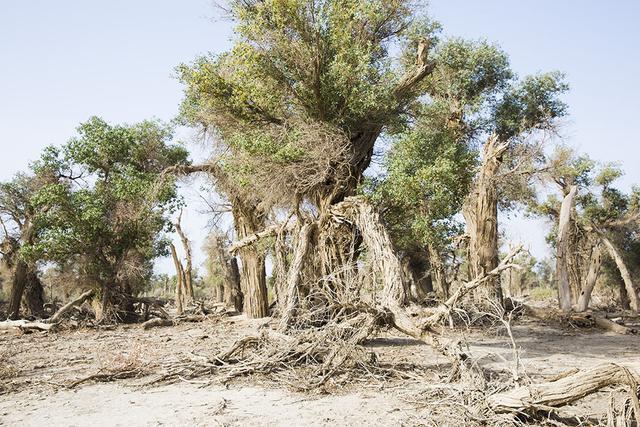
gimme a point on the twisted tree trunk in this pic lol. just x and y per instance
(592, 277)
(188, 270)
(563, 248)
(632, 293)
(481, 216)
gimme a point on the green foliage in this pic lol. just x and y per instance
(106, 209)
(531, 104)
(428, 173)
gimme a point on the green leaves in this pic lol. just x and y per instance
(531, 104)
(102, 200)
(428, 174)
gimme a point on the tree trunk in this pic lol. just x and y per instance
(624, 272)
(230, 293)
(481, 216)
(33, 297)
(253, 277)
(438, 273)
(592, 277)
(179, 276)
(20, 277)
(562, 254)
(294, 277)
(188, 270)
(233, 293)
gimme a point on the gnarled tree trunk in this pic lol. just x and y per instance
(562, 254)
(253, 276)
(632, 293)
(481, 216)
(592, 277)
(188, 269)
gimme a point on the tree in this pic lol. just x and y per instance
(596, 225)
(107, 211)
(20, 228)
(302, 98)
(523, 108)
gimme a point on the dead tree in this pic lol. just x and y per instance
(188, 270)
(230, 292)
(179, 280)
(563, 248)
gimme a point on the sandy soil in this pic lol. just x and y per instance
(43, 364)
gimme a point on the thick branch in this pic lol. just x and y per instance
(81, 299)
(530, 399)
(269, 231)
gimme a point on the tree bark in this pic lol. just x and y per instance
(592, 277)
(562, 254)
(438, 273)
(188, 270)
(253, 280)
(179, 276)
(624, 272)
(33, 297)
(481, 216)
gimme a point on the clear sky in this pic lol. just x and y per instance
(63, 61)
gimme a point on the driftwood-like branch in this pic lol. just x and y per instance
(64, 309)
(26, 325)
(269, 231)
(295, 274)
(564, 391)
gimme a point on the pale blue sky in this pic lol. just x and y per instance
(63, 61)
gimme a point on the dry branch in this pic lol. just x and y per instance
(64, 309)
(25, 325)
(269, 231)
(554, 394)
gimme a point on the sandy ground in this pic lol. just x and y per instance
(42, 364)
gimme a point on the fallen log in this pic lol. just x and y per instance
(157, 322)
(81, 299)
(26, 325)
(612, 326)
(564, 391)
(602, 322)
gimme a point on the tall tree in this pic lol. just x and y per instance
(19, 228)
(107, 211)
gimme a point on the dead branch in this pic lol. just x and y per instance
(157, 322)
(64, 309)
(269, 231)
(564, 391)
(26, 325)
